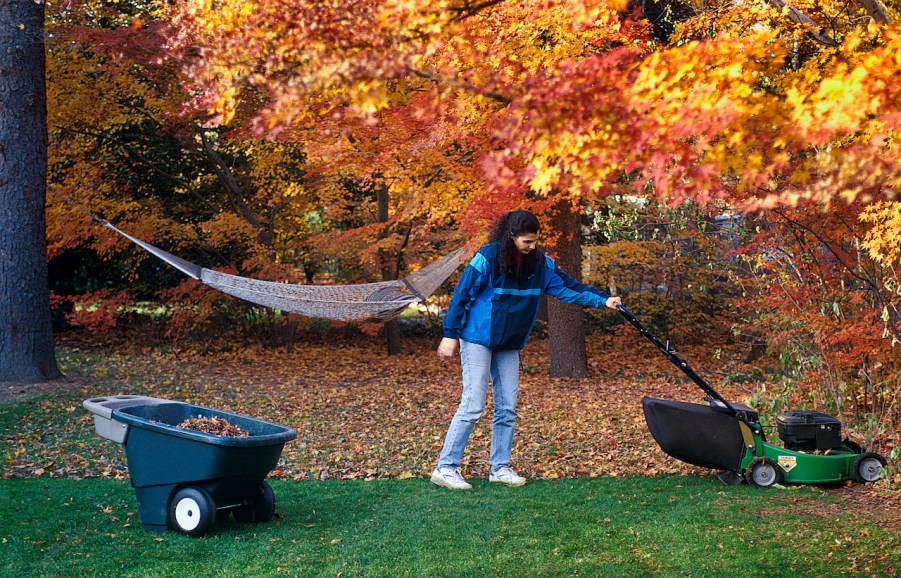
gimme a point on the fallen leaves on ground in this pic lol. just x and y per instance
(361, 414)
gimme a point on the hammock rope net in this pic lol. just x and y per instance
(364, 302)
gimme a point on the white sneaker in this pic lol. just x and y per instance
(450, 478)
(507, 476)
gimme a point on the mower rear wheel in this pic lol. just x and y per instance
(866, 467)
(763, 473)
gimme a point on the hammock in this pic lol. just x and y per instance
(366, 302)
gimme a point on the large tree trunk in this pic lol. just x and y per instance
(391, 327)
(566, 325)
(26, 332)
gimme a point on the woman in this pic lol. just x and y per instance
(489, 318)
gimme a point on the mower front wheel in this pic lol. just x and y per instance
(866, 467)
(763, 473)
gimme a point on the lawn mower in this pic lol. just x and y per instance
(729, 437)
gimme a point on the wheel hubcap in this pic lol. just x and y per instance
(764, 475)
(187, 514)
(869, 469)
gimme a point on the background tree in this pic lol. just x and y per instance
(461, 111)
(566, 329)
(459, 105)
(215, 195)
(742, 159)
(26, 338)
(307, 202)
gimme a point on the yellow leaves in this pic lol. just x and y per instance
(227, 228)
(800, 177)
(883, 240)
(408, 17)
(573, 161)
(292, 189)
(369, 96)
(840, 92)
(618, 5)
(837, 101)
(734, 70)
(546, 175)
(225, 15)
(225, 106)
(696, 75)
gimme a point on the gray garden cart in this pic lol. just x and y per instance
(185, 479)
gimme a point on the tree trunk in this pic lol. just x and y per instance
(566, 325)
(392, 336)
(26, 332)
(391, 327)
(877, 11)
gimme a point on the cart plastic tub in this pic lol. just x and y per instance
(185, 479)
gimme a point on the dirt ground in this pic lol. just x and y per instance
(884, 508)
(17, 392)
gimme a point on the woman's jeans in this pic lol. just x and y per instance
(479, 364)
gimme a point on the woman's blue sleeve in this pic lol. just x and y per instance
(568, 290)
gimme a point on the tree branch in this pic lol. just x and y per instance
(506, 100)
(815, 30)
(866, 281)
(136, 154)
(227, 178)
(877, 11)
(467, 9)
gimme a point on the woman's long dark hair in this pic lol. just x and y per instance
(510, 261)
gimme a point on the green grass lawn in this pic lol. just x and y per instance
(63, 512)
(655, 526)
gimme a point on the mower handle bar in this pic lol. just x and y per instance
(671, 354)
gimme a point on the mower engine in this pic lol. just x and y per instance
(806, 430)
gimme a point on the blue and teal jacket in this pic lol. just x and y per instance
(498, 312)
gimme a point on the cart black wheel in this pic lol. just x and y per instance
(261, 507)
(763, 473)
(193, 512)
(866, 467)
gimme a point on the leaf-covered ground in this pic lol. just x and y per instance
(360, 414)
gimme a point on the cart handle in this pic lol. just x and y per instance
(671, 354)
